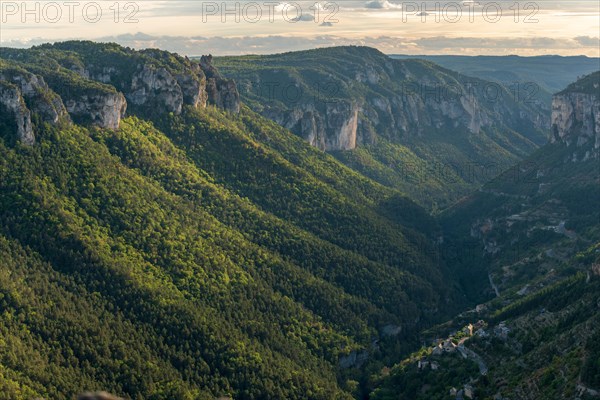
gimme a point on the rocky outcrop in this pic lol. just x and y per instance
(221, 92)
(342, 120)
(576, 119)
(85, 101)
(102, 109)
(97, 396)
(152, 81)
(151, 85)
(333, 128)
(104, 75)
(12, 105)
(156, 87)
(41, 99)
(413, 114)
(193, 87)
(341, 125)
(96, 84)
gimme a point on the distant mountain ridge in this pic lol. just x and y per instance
(394, 98)
(551, 73)
(394, 120)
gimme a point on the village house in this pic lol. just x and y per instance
(469, 392)
(437, 350)
(448, 346)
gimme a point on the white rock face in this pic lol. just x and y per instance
(12, 102)
(343, 121)
(221, 92)
(334, 128)
(152, 87)
(101, 109)
(42, 100)
(29, 84)
(193, 89)
(473, 116)
(413, 114)
(156, 86)
(576, 119)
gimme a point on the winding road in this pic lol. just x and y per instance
(493, 285)
(468, 353)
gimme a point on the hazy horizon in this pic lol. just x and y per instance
(236, 28)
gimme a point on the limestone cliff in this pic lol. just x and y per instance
(102, 109)
(15, 112)
(156, 88)
(576, 119)
(221, 92)
(193, 88)
(40, 98)
(96, 84)
(343, 124)
(333, 128)
(160, 82)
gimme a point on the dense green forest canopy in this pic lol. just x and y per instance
(193, 255)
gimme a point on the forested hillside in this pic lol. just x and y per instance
(163, 236)
(526, 247)
(159, 240)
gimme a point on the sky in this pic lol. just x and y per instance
(226, 27)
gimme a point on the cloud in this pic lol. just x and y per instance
(588, 41)
(219, 45)
(304, 18)
(382, 5)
